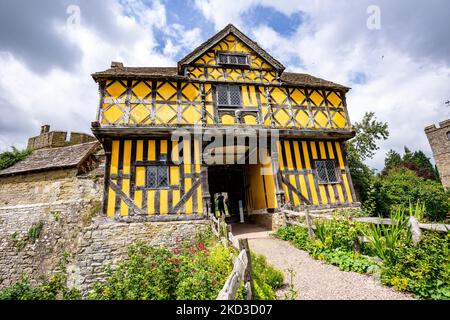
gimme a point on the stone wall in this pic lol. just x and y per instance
(48, 187)
(68, 209)
(55, 139)
(439, 138)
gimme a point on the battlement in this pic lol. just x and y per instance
(439, 139)
(55, 139)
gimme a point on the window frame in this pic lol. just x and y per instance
(234, 54)
(157, 186)
(228, 91)
(336, 173)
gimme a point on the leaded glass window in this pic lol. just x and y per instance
(238, 59)
(326, 171)
(228, 95)
(157, 176)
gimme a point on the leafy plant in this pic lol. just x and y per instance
(385, 239)
(8, 158)
(292, 293)
(35, 231)
(422, 268)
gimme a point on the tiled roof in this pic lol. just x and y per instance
(289, 78)
(53, 158)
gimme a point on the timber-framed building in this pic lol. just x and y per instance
(228, 82)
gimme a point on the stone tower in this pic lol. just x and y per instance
(439, 138)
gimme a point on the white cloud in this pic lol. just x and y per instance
(405, 64)
(406, 83)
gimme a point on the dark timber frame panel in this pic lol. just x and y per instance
(284, 107)
(129, 159)
(299, 179)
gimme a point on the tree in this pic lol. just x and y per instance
(9, 158)
(416, 161)
(368, 132)
(393, 159)
(363, 146)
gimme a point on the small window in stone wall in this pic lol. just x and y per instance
(448, 135)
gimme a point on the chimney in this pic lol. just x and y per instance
(45, 129)
(116, 65)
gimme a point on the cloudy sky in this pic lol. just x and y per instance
(401, 71)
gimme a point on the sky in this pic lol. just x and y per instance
(395, 55)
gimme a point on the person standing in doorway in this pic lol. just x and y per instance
(220, 204)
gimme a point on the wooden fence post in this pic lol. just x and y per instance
(248, 275)
(309, 224)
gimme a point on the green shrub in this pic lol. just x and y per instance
(344, 260)
(333, 244)
(195, 272)
(423, 269)
(53, 289)
(8, 158)
(401, 186)
(384, 240)
(265, 277)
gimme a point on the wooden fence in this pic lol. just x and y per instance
(414, 225)
(242, 264)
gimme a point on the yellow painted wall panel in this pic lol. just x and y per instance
(138, 198)
(150, 201)
(191, 93)
(111, 210)
(175, 151)
(282, 116)
(127, 157)
(139, 150)
(167, 91)
(174, 175)
(334, 100)
(191, 115)
(227, 120)
(323, 154)
(163, 201)
(113, 114)
(165, 114)
(115, 89)
(175, 197)
(115, 157)
(141, 89)
(250, 120)
(313, 150)
(331, 193)
(323, 194)
(330, 149)
(163, 146)
(140, 176)
(151, 150)
(126, 190)
(199, 200)
(188, 185)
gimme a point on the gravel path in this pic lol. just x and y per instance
(314, 280)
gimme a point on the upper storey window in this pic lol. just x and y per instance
(228, 96)
(235, 59)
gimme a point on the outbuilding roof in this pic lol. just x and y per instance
(53, 158)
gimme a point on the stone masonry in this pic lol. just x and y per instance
(439, 138)
(67, 207)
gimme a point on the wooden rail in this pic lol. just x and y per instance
(242, 264)
(438, 227)
(414, 225)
